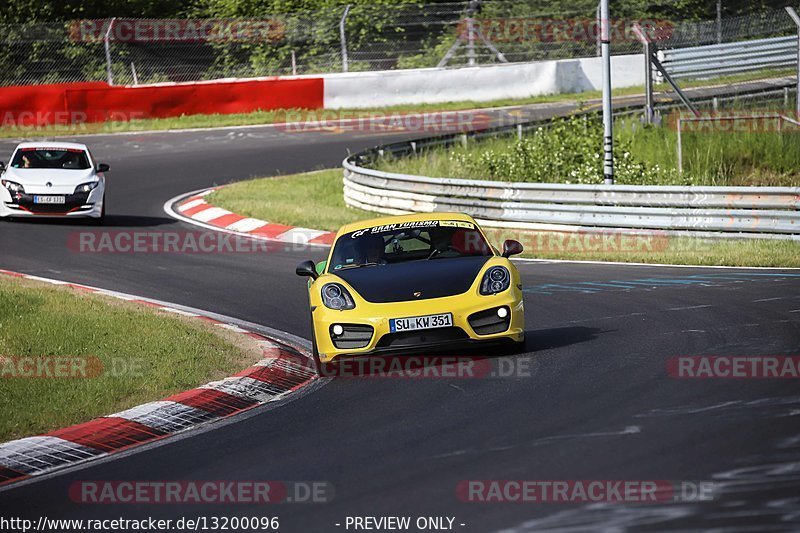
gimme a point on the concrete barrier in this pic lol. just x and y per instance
(97, 101)
(480, 84)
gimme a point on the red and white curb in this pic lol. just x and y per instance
(194, 209)
(284, 369)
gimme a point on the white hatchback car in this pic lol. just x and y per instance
(53, 179)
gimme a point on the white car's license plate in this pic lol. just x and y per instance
(48, 199)
(442, 320)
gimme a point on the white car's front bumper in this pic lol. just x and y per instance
(76, 205)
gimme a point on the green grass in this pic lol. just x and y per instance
(314, 200)
(569, 152)
(271, 117)
(311, 200)
(760, 158)
(146, 355)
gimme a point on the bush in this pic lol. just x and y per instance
(566, 152)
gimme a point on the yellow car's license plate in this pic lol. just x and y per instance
(441, 320)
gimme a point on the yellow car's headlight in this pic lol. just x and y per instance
(336, 297)
(495, 280)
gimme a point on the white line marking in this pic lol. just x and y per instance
(232, 327)
(247, 225)
(689, 307)
(179, 312)
(206, 215)
(613, 263)
(183, 218)
(191, 204)
(300, 235)
(770, 299)
(47, 280)
(612, 317)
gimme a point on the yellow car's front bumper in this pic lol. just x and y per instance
(382, 340)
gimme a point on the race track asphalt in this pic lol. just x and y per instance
(597, 402)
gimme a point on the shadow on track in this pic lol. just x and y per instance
(548, 339)
(111, 221)
(447, 363)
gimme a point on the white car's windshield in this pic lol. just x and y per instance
(64, 158)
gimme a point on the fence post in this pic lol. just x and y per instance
(680, 146)
(471, 41)
(599, 24)
(107, 46)
(796, 19)
(294, 64)
(343, 38)
(649, 108)
(133, 73)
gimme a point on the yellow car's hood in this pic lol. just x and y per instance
(399, 282)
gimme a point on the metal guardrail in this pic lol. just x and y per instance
(741, 210)
(730, 58)
(754, 212)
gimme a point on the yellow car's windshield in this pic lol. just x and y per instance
(417, 241)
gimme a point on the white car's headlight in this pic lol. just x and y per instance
(86, 187)
(12, 186)
(334, 296)
(497, 279)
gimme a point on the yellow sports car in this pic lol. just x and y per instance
(413, 282)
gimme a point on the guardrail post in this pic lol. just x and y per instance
(649, 108)
(792, 13)
(343, 38)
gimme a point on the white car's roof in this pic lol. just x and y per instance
(74, 146)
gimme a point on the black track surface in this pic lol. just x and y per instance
(598, 403)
